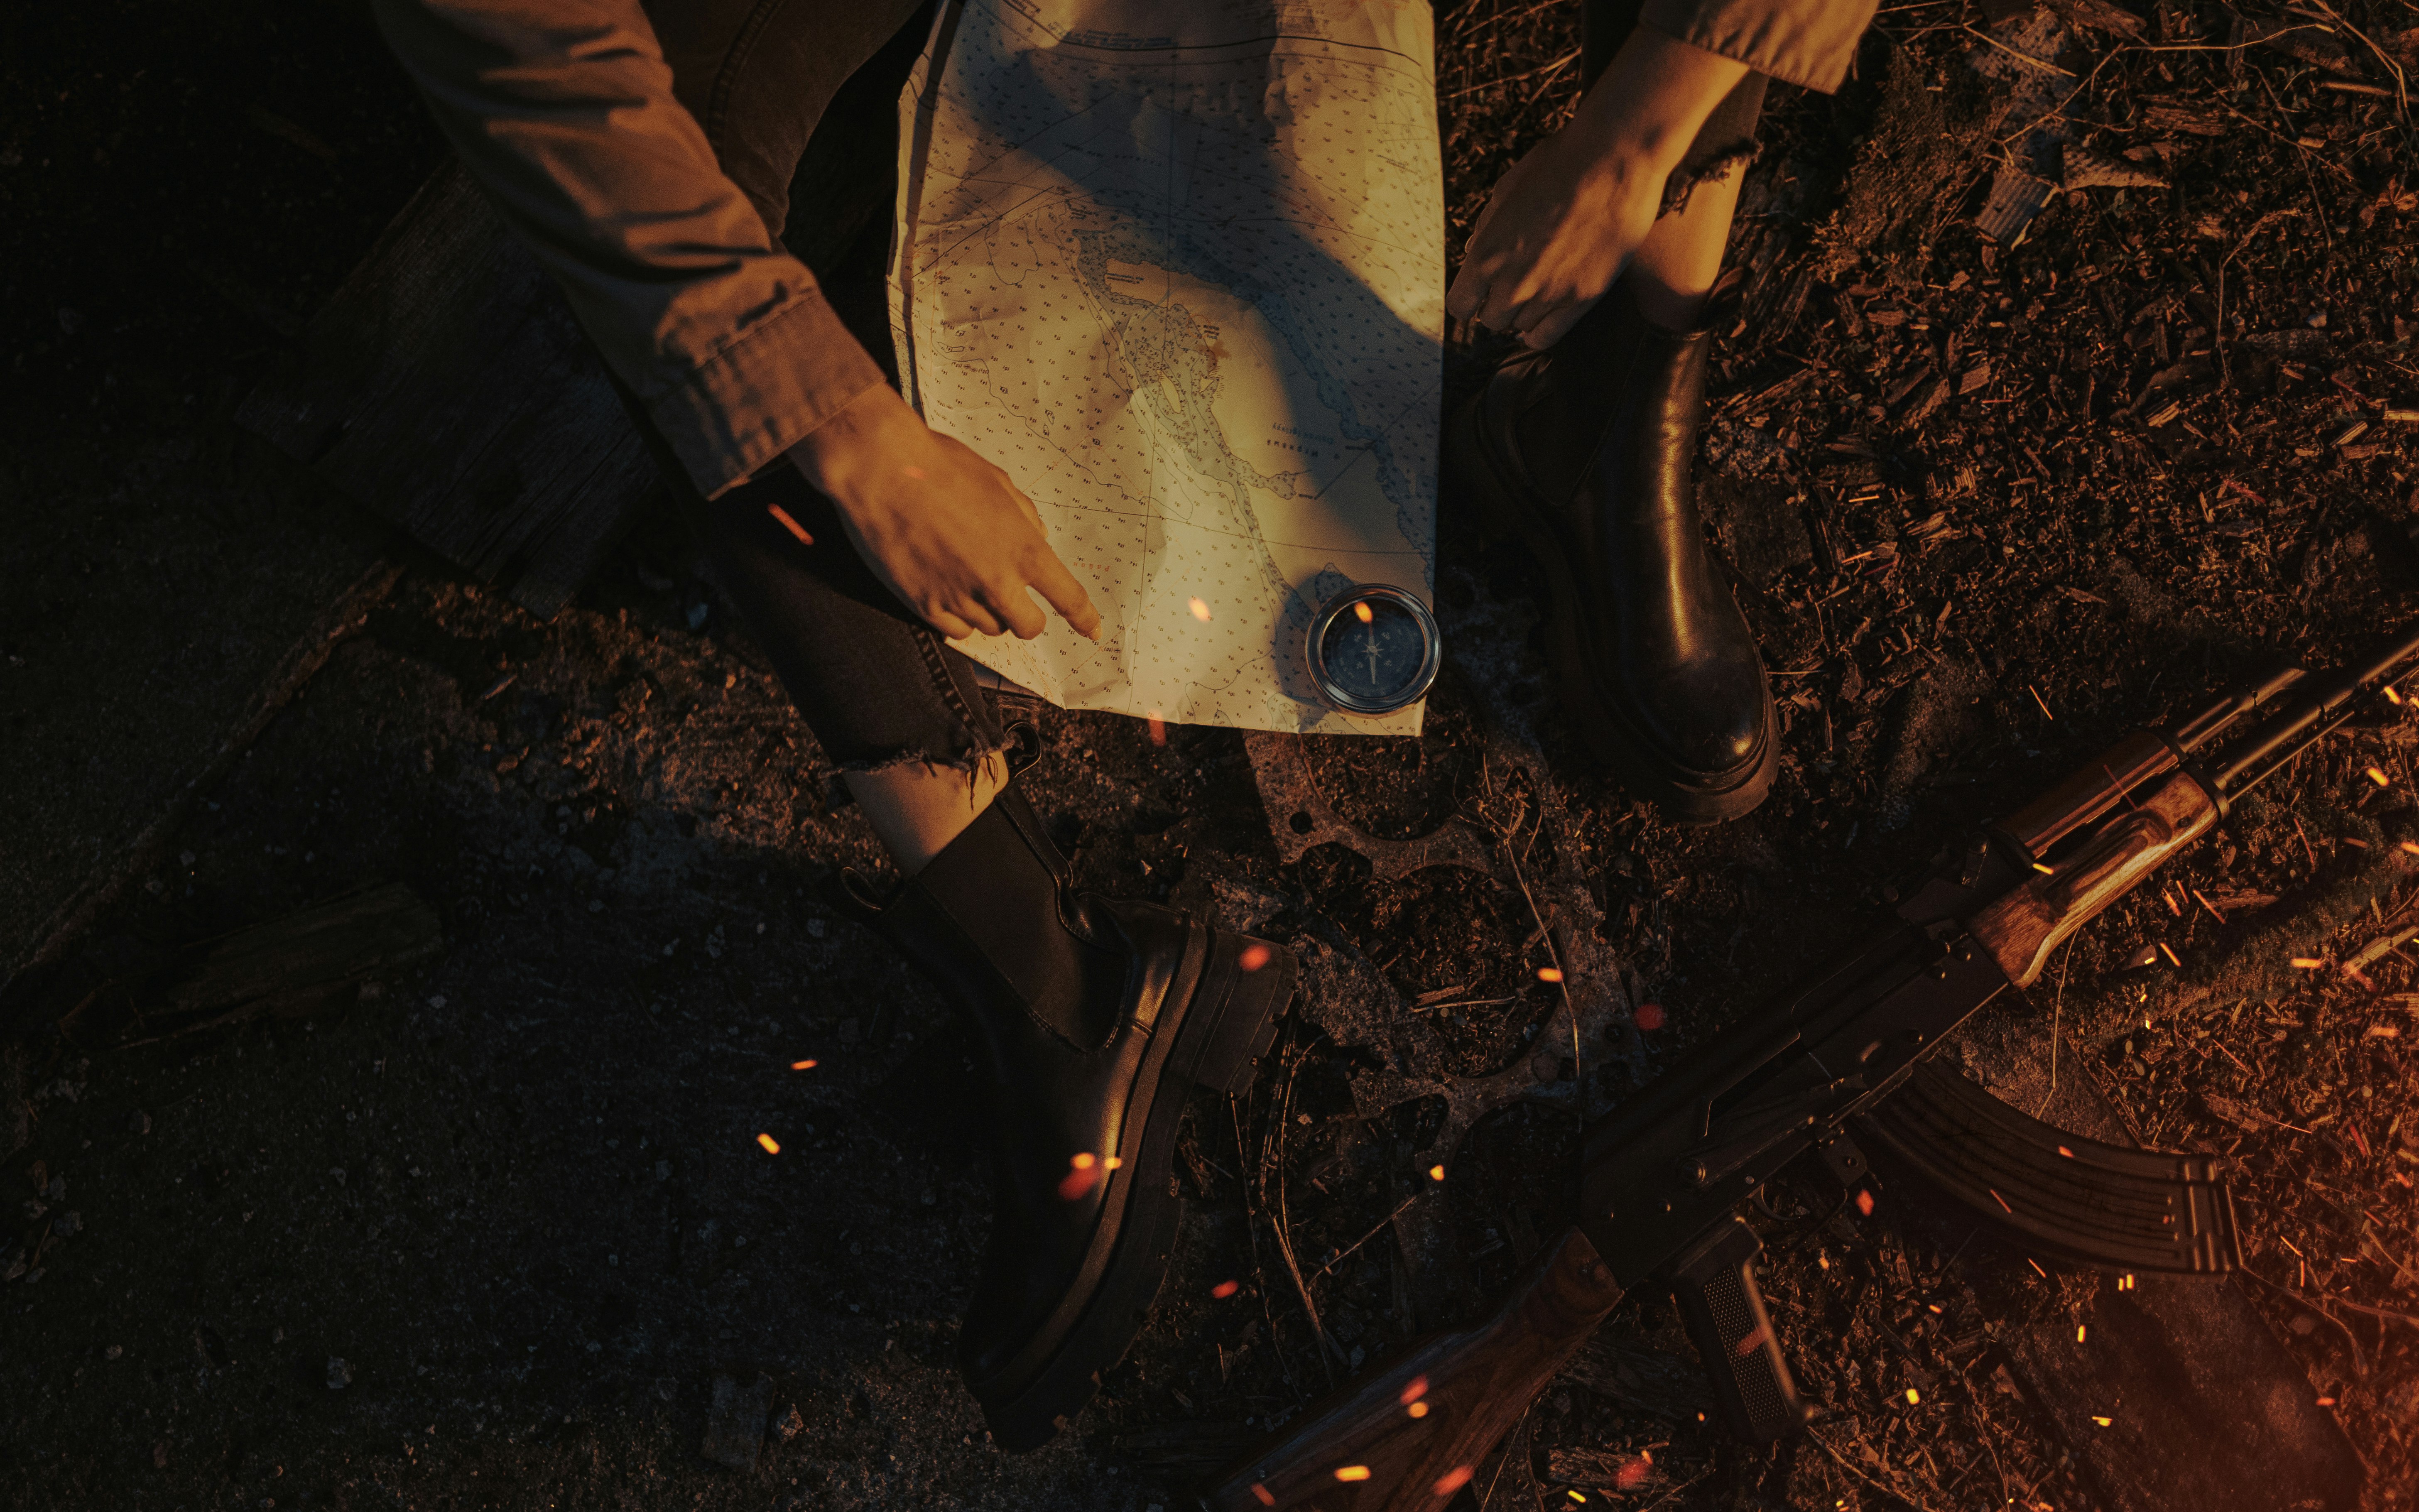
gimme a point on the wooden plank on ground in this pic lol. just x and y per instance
(446, 388)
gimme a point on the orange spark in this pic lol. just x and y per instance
(2078, 1332)
(1650, 1015)
(2045, 870)
(1252, 958)
(791, 525)
(1200, 610)
(1263, 1492)
(1417, 1389)
(2391, 696)
(2307, 963)
(2039, 1271)
(2000, 1200)
(1418, 1408)
(2376, 775)
(802, 1065)
(1078, 1178)
(1224, 1290)
(1351, 1473)
(1454, 1479)
(772, 1146)
(1157, 729)
(1752, 1342)
(1865, 1202)
(2326, 1401)
(2068, 1153)
(2103, 1422)
(1549, 973)
(1911, 1398)
(1629, 1475)
(1436, 1173)
(2412, 845)
(2169, 954)
(1361, 613)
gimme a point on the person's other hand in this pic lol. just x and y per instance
(942, 528)
(1563, 223)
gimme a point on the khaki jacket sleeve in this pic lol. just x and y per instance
(564, 112)
(1806, 42)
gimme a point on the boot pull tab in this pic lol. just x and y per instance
(850, 893)
(1021, 743)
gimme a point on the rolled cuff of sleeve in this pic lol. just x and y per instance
(1806, 42)
(762, 393)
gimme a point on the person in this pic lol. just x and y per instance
(643, 150)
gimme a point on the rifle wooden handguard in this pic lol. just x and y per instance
(1361, 1448)
(2021, 929)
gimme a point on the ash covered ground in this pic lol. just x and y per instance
(485, 1230)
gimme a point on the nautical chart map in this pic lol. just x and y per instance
(1177, 266)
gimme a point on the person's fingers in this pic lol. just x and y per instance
(1468, 294)
(1505, 300)
(1032, 515)
(1066, 594)
(950, 627)
(1016, 609)
(972, 612)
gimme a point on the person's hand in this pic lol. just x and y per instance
(942, 528)
(1563, 223)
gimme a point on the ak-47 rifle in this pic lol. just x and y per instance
(1835, 1068)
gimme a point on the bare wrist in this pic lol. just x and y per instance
(1646, 108)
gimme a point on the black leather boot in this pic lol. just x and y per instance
(1585, 450)
(1094, 1018)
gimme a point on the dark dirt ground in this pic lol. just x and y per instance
(516, 1190)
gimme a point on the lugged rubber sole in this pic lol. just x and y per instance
(1224, 1027)
(1681, 801)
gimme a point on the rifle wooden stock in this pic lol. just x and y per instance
(2021, 928)
(1359, 1448)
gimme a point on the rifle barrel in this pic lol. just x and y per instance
(2315, 707)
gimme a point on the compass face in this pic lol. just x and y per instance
(1374, 650)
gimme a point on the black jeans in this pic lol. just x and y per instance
(799, 102)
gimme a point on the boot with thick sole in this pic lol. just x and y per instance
(1095, 1019)
(1585, 450)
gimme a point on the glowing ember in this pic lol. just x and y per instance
(1628, 1477)
(2103, 1422)
(1752, 1342)
(2078, 1332)
(2000, 1200)
(1263, 1492)
(792, 526)
(1224, 1290)
(1650, 1015)
(2068, 1153)
(1200, 610)
(1417, 1409)
(802, 1065)
(2326, 1401)
(1079, 1178)
(1911, 1398)
(772, 1146)
(1436, 1173)
(2307, 963)
(2170, 954)
(2391, 696)
(1417, 1389)
(1361, 613)
(1865, 1202)
(2376, 775)
(2044, 1274)
(2049, 870)
(1549, 973)
(1453, 1480)
(2412, 845)
(1351, 1473)
(1157, 729)
(1252, 958)
(2125, 1282)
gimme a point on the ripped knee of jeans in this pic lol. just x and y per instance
(1706, 166)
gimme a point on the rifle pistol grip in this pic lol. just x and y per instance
(1714, 1282)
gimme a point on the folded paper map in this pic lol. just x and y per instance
(1179, 267)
